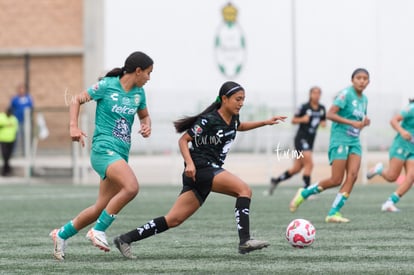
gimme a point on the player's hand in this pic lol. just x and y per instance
(77, 135)
(145, 130)
(406, 135)
(190, 171)
(366, 121)
(275, 120)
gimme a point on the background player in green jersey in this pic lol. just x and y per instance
(348, 114)
(309, 116)
(119, 97)
(211, 134)
(401, 155)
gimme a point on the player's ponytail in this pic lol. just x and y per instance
(133, 61)
(227, 89)
(411, 100)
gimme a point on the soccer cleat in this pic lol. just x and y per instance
(389, 206)
(252, 245)
(273, 185)
(376, 170)
(98, 239)
(336, 218)
(59, 245)
(296, 201)
(124, 248)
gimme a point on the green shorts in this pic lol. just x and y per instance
(102, 159)
(343, 151)
(399, 152)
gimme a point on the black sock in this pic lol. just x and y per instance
(149, 229)
(282, 177)
(306, 181)
(242, 218)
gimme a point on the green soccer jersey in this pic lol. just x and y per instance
(115, 112)
(353, 107)
(408, 125)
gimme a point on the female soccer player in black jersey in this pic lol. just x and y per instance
(309, 116)
(211, 134)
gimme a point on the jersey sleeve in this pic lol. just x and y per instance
(198, 127)
(96, 91)
(300, 111)
(340, 99)
(407, 111)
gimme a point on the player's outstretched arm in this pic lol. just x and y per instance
(249, 125)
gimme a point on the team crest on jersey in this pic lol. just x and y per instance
(136, 99)
(122, 130)
(197, 129)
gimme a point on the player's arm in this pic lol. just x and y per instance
(300, 120)
(75, 133)
(333, 115)
(300, 116)
(249, 125)
(396, 124)
(190, 170)
(145, 120)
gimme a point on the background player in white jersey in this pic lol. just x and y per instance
(401, 155)
(309, 116)
(119, 97)
(211, 134)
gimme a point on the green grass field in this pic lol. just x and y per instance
(373, 243)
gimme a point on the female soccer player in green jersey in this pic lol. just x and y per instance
(348, 114)
(119, 97)
(401, 155)
(211, 134)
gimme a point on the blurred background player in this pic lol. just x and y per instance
(211, 134)
(309, 116)
(401, 155)
(348, 114)
(119, 97)
(19, 103)
(8, 132)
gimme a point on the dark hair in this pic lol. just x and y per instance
(227, 89)
(134, 60)
(411, 100)
(359, 70)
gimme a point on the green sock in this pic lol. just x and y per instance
(104, 221)
(311, 190)
(338, 203)
(394, 198)
(67, 231)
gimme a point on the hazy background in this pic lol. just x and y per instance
(333, 37)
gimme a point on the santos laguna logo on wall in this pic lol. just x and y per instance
(230, 44)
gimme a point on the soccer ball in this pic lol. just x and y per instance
(300, 233)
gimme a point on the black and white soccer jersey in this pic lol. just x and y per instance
(212, 139)
(305, 136)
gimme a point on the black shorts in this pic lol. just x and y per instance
(203, 184)
(303, 144)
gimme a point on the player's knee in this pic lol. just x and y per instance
(246, 191)
(132, 190)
